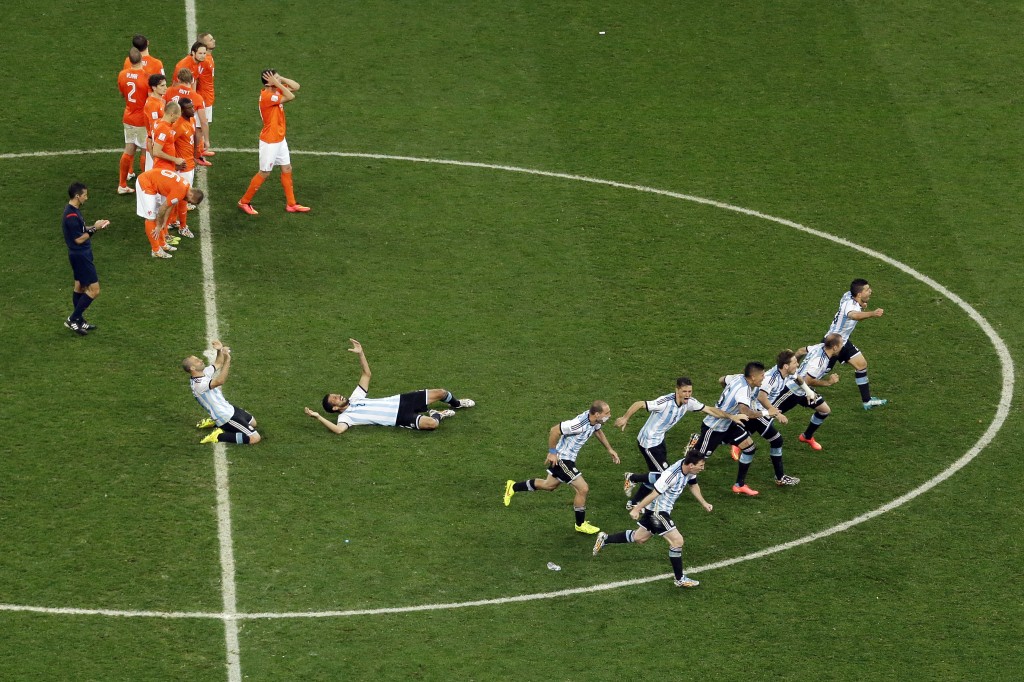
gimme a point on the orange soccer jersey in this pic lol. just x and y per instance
(150, 64)
(164, 182)
(180, 91)
(185, 142)
(272, 113)
(153, 111)
(163, 139)
(134, 87)
(186, 63)
(204, 78)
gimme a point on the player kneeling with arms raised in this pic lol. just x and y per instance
(654, 513)
(234, 425)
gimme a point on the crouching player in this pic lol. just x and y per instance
(654, 513)
(233, 424)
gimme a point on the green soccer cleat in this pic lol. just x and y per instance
(587, 527)
(212, 436)
(509, 492)
(206, 423)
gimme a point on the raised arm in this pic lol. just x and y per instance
(624, 419)
(364, 378)
(865, 314)
(278, 82)
(222, 363)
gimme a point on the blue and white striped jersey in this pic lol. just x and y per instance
(671, 485)
(212, 399)
(814, 365)
(665, 414)
(363, 411)
(737, 392)
(575, 432)
(774, 383)
(842, 324)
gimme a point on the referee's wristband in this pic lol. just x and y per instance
(552, 451)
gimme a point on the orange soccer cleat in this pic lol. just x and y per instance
(247, 208)
(815, 445)
(297, 208)
(744, 490)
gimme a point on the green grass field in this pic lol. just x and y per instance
(895, 127)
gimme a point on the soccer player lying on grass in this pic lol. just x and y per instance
(397, 410)
(234, 425)
(653, 513)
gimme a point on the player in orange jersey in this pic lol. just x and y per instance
(183, 87)
(157, 192)
(185, 148)
(204, 81)
(134, 86)
(154, 111)
(273, 146)
(164, 157)
(150, 64)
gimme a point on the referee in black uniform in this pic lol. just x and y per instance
(79, 240)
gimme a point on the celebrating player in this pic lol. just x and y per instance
(233, 424)
(853, 307)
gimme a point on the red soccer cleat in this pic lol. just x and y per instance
(735, 453)
(247, 208)
(208, 152)
(297, 208)
(203, 162)
(744, 490)
(810, 441)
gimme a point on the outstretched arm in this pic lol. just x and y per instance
(722, 414)
(624, 419)
(638, 508)
(331, 426)
(364, 379)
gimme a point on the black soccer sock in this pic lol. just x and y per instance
(741, 473)
(524, 486)
(75, 295)
(861, 377)
(451, 400)
(641, 491)
(581, 515)
(777, 465)
(624, 537)
(639, 478)
(80, 306)
(816, 421)
(676, 557)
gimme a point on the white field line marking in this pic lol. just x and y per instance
(1002, 411)
(220, 460)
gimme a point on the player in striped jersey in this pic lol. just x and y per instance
(739, 397)
(234, 425)
(564, 442)
(811, 372)
(665, 412)
(852, 309)
(397, 410)
(654, 513)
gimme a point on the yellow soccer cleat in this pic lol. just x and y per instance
(587, 527)
(206, 423)
(212, 437)
(509, 492)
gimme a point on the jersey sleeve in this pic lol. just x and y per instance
(571, 427)
(202, 385)
(666, 479)
(74, 226)
(657, 405)
(694, 405)
(358, 394)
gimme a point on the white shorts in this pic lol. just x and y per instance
(274, 154)
(209, 113)
(135, 135)
(149, 160)
(147, 205)
(188, 176)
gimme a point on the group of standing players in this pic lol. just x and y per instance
(170, 126)
(750, 404)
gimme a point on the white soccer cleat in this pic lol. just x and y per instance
(125, 190)
(466, 402)
(160, 253)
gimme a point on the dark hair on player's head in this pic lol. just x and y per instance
(197, 195)
(857, 286)
(783, 358)
(156, 79)
(184, 75)
(195, 46)
(185, 101)
(833, 341)
(693, 456)
(598, 406)
(327, 404)
(752, 367)
(683, 381)
(140, 42)
(264, 72)
(134, 56)
(75, 189)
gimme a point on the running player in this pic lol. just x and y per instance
(564, 443)
(653, 513)
(273, 146)
(665, 412)
(853, 307)
(233, 424)
(397, 410)
(811, 372)
(157, 192)
(133, 82)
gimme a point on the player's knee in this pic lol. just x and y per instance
(641, 539)
(824, 410)
(428, 424)
(93, 290)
